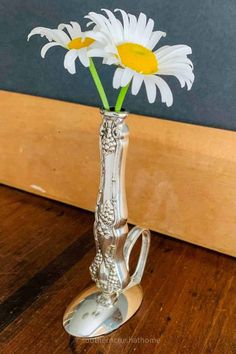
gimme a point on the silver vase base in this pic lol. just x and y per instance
(86, 318)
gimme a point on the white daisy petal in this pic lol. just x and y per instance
(136, 83)
(184, 80)
(125, 23)
(68, 27)
(101, 21)
(126, 77)
(90, 23)
(189, 84)
(69, 61)
(175, 66)
(148, 31)
(189, 62)
(48, 46)
(181, 59)
(117, 78)
(161, 50)
(150, 89)
(173, 51)
(96, 52)
(188, 75)
(42, 31)
(142, 21)
(141, 24)
(165, 91)
(155, 37)
(83, 56)
(110, 49)
(132, 25)
(102, 38)
(116, 24)
(60, 37)
(181, 80)
(93, 17)
(51, 34)
(110, 60)
(76, 27)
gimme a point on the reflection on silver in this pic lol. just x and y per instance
(112, 301)
(85, 317)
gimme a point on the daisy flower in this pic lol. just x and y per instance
(74, 41)
(130, 45)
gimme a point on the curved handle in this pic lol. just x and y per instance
(129, 244)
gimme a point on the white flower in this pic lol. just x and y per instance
(130, 45)
(76, 42)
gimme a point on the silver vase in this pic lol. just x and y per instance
(117, 294)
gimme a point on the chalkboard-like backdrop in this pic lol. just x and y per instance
(208, 26)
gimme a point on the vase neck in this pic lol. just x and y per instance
(112, 115)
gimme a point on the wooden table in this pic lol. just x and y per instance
(45, 250)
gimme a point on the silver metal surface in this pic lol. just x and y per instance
(85, 317)
(114, 242)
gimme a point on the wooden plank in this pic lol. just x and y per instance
(180, 177)
(189, 292)
(29, 238)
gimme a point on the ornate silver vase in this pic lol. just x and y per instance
(117, 295)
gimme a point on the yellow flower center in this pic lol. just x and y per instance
(78, 43)
(138, 58)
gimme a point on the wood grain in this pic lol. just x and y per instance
(180, 177)
(29, 248)
(189, 292)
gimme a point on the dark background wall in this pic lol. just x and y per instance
(208, 26)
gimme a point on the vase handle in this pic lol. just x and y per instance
(132, 237)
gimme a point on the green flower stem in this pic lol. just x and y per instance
(121, 98)
(98, 85)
